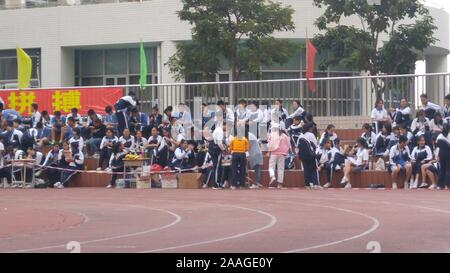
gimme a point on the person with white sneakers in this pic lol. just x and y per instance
(116, 163)
(279, 146)
(307, 145)
(356, 164)
(431, 171)
(75, 162)
(400, 162)
(420, 155)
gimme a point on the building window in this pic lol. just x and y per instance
(113, 66)
(8, 68)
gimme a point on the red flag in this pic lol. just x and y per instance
(311, 52)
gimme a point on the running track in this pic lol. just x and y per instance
(293, 220)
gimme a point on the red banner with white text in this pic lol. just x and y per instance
(61, 99)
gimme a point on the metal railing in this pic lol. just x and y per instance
(340, 96)
(335, 97)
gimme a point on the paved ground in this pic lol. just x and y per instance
(291, 220)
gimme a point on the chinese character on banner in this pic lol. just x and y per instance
(66, 100)
(22, 102)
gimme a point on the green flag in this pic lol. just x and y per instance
(143, 79)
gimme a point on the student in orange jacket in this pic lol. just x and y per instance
(239, 147)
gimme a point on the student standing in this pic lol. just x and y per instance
(443, 143)
(239, 147)
(307, 145)
(279, 146)
(256, 160)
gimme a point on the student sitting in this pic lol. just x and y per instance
(12, 136)
(437, 125)
(53, 161)
(381, 148)
(75, 162)
(395, 135)
(412, 141)
(106, 147)
(399, 162)
(379, 116)
(77, 138)
(110, 119)
(329, 134)
(153, 144)
(58, 121)
(402, 115)
(421, 126)
(139, 121)
(127, 140)
(116, 163)
(328, 160)
(369, 136)
(299, 112)
(431, 171)
(357, 163)
(181, 160)
(140, 143)
(295, 130)
(207, 168)
(75, 116)
(420, 155)
(97, 132)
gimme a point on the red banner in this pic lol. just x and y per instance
(311, 57)
(61, 99)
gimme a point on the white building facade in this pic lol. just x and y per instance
(80, 44)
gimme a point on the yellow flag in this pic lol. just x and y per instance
(23, 68)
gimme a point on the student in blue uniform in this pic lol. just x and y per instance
(443, 143)
(74, 163)
(420, 155)
(116, 163)
(307, 152)
(327, 160)
(400, 162)
(295, 130)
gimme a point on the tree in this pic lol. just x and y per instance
(362, 48)
(238, 30)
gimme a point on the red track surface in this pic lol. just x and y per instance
(224, 221)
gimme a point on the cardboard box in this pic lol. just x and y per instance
(143, 184)
(190, 181)
(169, 181)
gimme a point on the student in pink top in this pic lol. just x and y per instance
(279, 146)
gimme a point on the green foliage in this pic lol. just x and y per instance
(360, 48)
(238, 30)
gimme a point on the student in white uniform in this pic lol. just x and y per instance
(356, 164)
(379, 115)
(420, 155)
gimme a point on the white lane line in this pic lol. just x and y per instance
(176, 221)
(376, 224)
(273, 221)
